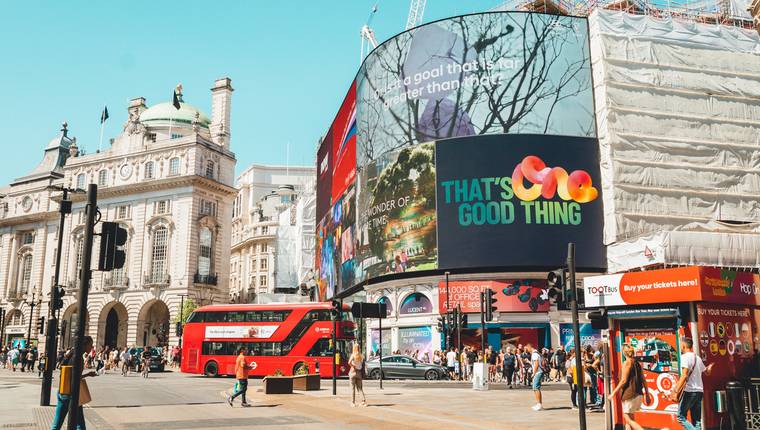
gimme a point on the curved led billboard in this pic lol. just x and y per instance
(468, 142)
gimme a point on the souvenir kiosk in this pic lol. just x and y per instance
(654, 310)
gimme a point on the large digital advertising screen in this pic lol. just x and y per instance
(468, 142)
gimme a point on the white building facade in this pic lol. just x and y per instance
(265, 194)
(168, 179)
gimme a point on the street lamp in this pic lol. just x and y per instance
(34, 301)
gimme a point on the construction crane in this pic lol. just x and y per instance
(416, 9)
(368, 35)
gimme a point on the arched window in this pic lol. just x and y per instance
(210, 169)
(15, 317)
(415, 303)
(388, 305)
(174, 166)
(159, 254)
(80, 180)
(149, 170)
(205, 252)
(103, 178)
(25, 273)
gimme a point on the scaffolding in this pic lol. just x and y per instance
(720, 12)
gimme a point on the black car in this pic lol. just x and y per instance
(157, 360)
(404, 367)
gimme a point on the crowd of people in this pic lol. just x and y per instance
(18, 358)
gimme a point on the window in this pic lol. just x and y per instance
(204, 252)
(174, 166)
(263, 264)
(159, 252)
(15, 317)
(210, 169)
(208, 207)
(79, 247)
(263, 280)
(230, 348)
(149, 170)
(103, 178)
(122, 212)
(26, 273)
(80, 180)
(176, 135)
(152, 137)
(161, 207)
(27, 238)
(264, 229)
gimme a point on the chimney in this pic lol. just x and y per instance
(221, 99)
(136, 107)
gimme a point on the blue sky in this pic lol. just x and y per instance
(290, 62)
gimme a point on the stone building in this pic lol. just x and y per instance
(168, 179)
(264, 193)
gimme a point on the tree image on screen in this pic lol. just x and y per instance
(478, 74)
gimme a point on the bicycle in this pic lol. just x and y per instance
(145, 368)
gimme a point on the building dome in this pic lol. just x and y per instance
(163, 112)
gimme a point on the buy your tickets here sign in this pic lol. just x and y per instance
(511, 295)
(681, 284)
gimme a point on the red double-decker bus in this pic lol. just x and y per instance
(283, 336)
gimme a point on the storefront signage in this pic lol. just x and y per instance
(240, 332)
(681, 284)
(589, 336)
(15, 330)
(414, 339)
(375, 341)
(415, 303)
(527, 295)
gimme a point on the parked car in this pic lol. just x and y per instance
(157, 359)
(404, 367)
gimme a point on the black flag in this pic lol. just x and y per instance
(104, 115)
(175, 100)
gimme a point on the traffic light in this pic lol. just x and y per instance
(41, 325)
(490, 304)
(112, 238)
(598, 319)
(335, 310)
(556, 281)
(178, 329)
(56, 300)
(441, 323)
(462, 320)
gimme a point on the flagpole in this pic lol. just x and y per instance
(100, 142)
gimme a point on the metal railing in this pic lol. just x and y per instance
(752, 404)
(156, 279)
(112, 281)
(205, 279)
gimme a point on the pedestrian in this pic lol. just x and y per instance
(472, 357)
(241, 375)
(145, 362)
(13, 357)
(62, 407)
(451, 359)
(31, 357)
(356, 375)
(591, 366)
(632, 385)
(510, 364)
(22, 359)
(572, 378)
(457, 364)
(561, 357)
(463, 366)
(689, 387)
(491, 358)
(126, 359)
(537, 367)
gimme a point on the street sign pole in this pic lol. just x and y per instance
(51, 342)
(576, 332)
(84, 285)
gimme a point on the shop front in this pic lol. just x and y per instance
(522, 306)
(655, 310)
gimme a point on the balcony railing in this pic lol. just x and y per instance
(156, 279)
(116, 282)
(205, 279)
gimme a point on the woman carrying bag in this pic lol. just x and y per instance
(64, 390)
(356, 375)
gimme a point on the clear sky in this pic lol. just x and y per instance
(290, 62)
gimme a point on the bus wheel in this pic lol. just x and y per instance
(301, 368)
(375, 374)
(211, 369)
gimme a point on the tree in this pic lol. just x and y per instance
(187, 308)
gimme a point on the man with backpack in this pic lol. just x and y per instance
(633, 386)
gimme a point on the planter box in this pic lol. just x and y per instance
(307, 382)
(278, 385)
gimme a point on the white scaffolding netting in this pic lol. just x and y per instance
(678, 112)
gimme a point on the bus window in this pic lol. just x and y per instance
(214, 348)
(236, 316)
(320, 349)
(216, 316)
(270, 348)
(196, 317)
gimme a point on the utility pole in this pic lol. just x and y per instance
(2, 326)
(31, 305)
(51, 342)
(84, 285)
(576, 330)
